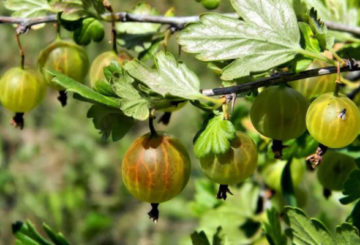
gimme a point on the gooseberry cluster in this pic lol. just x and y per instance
(157, 167)
(22, 88)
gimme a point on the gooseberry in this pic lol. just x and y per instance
(21, 90)
(333, 120)
(65, 57)
(315, 86)
(279, 113)
(232, 167)
(100, 62)
(272, 173)
(155, 169)
(334, 170)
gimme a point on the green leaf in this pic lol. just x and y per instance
(272, 228)
(204, 197)
(346, 234)
(104, 88)
(199, 238)
(287, 186)
(138, 36)
(354, 216)
(56, 238)
(267, 36)
(351, 187)
(300, 147)
(73, 86)
(91, 30)
(97, 5)
(310, 41)
(136, 108)
(170, 77)
(110, 122)
(305, 231)
(320, 30)
(28, 8)
(216, 138)
(133, 104)
(71, 13)
(335, 10)
(26, 234)
(350, 49)
(139, 28)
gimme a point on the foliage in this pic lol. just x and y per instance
(60, 171)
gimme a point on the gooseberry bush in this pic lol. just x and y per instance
(285, 106)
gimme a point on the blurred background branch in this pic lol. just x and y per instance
(177, 21)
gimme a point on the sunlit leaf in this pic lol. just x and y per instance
(216, 137)
(170, 77)
(267, 36)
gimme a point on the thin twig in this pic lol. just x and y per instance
(178, 21)
(109, 8)
(21, 51)
(280, 79)
(342, 27)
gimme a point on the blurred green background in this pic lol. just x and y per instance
(58, 170)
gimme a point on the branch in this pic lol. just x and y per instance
(280, 78)
(25, 24)
(355, 30)
(178, 22)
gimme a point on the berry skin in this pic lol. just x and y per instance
(279, 113)
(156, 168)
(333, 121)
(100, 62)
(315, 86)
(21, 90)
(272, 173)
(65, 57)
(334, 170)
(210, 4)
(234, 166)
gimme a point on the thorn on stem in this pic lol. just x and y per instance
(315, 159)
(223, 191)
(18, 120)
(154, 212)
(62, 98)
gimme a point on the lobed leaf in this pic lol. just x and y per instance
(133, 104)
(267, 36)
(28, 8)
(305, 231)
(73, 86)
(199, 238)
(351, 187)
(170, 77)
(110, 122)
(272, 228)
(216, 137)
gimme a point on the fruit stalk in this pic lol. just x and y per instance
(21, 50)
(315, 159)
